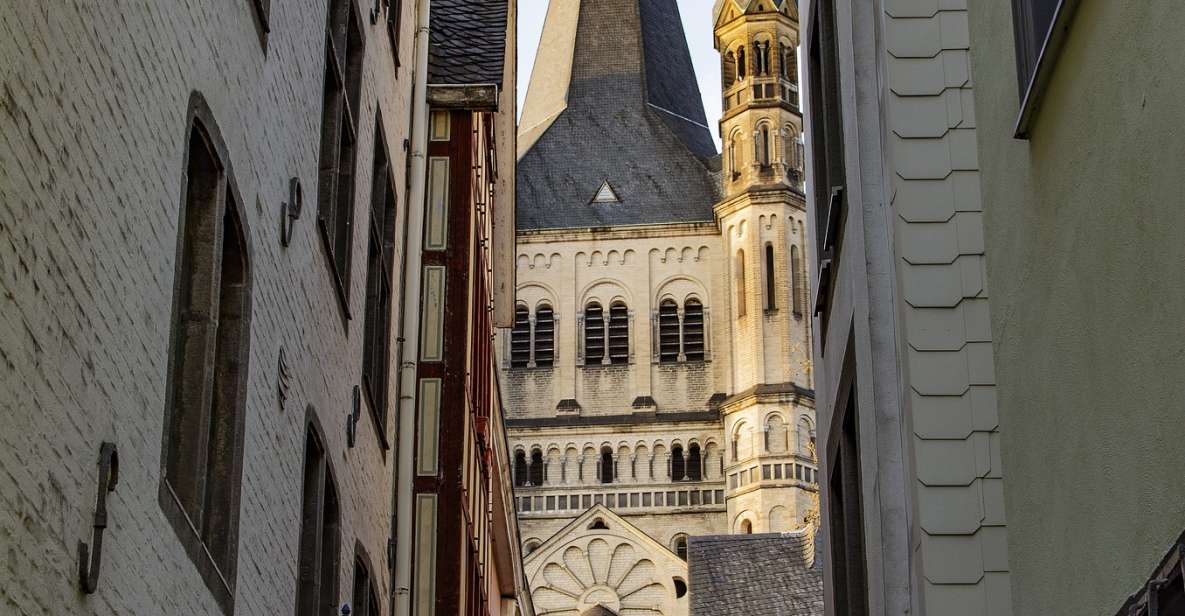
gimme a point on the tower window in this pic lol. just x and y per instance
(319, 534)
(695, 469)
(763, 145)
(741, 64)
(681, 546)
(761, 56)
(619, 334)
(544, 344)
(538, 474)
(668, 332)
(693, 330)
(739, 282)
(380, 264)
(606, 465)
(339, 125)
(796, 281)
(521, 471)
(770, 278)
(678, 464)
(520, 338)
(728, 71)
(594, 334)
(210, 333)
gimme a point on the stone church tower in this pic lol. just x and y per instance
(657, 379)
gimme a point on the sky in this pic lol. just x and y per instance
(697, 25)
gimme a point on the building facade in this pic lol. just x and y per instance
(1080, 169)
(657, 377)
(207, 282)
(911, 477)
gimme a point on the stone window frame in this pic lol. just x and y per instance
(345, 54)
(317, 583)
(364, 600)
(184, 495)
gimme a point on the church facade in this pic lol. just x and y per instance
(657, 380)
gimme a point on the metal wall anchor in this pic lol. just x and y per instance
(88, 562)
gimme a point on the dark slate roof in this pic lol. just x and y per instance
(754, 575)
(631, 115)
(468, 42)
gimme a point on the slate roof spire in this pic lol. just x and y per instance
(613, 98)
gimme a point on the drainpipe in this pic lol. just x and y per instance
(410, 324)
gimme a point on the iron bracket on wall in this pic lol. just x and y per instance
(290, 211)
(352, 418)
(88, 561)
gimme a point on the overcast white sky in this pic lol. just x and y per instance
(697, 25)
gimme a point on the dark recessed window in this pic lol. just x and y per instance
(797, 281)
(678, 464)
(693, 330)
(376, 345)
(681, 546)
(680, 587)
(668, 332)
(606, 466)
(339, 140)
(394, 22)
(771, 302)
(1031, 20)
(520, 338)
(521, 470)
(319, 534)
(619, 334)
(538, 474)
(594, 334)
(366, 600)
(544, 345)
(739, 282)
(695, 465)
(210, 339)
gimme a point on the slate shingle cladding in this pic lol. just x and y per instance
(467, 44)
(754, 575)
(632, 117)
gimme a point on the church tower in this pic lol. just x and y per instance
(769, 419)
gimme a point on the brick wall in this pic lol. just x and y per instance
(93, 113)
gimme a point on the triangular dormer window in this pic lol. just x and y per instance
(605, 194)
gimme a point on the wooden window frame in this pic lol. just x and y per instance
(1040, 28)
(209, 355)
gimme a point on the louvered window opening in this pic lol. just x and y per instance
(594, 334)
(668, 332)
(520, 338)
(693, 330)
(619, 334)
(544, 337)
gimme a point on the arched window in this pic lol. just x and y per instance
(695, 467)
(746, 527)
(693, 330)
(806, 435)
(598, 524)
(680, 588)
(531, 546)
(735, 151)
(782, 72)
(668, 331)
(678, 464)
(521, 473)
(741, 64)
(520, 338)
(739, 282)
(728, 70)
(790, 149)
(771, 302)
(619, 333)
(544, 336)
(594, 334)
(606, 465)
(763, 145)
(775, 434)
(680, 545)
(790, 62)
(761, 57)
(735, 444)
(537, 474)
(796, 280)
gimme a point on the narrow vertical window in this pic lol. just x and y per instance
(668, 332)
(366, 600)
(763, 145)
(594, 334)
(678, 464)
(695, 468)
(319, 534)
(339, 125)
(394, 23)
(728, 70)
(210, 337)
(544, 336)
(606, 465)
(771, 278)
(376, 341)
(797, 294)
(681, 546)
(537, 474)
(738, 282)
(619, 333)
(693, 330)
(520, 338)
(521, 473)
(741, 63)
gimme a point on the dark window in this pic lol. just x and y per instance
(741, 64)
(365, 600)
(847, 519)
(619, 334)
(319, 535)
(607, 465)
(728, 70)
(594, 334)
(739, 282)
(693, 330)
(747, 527)
(695, 470)
(598, 524)
(680, 588)
(262, 10)
(521, 474)
(339, 126)
(1031, 21)
(681, 546)
(530, 547)
(668, 332)
(764, 144)
(376, 344)
(520, 338)
(678, 464)
(537, 471)
(796, 281)
(210, 337)
(394, 22)
(771, 302)
(544, 336)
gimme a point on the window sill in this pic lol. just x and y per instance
(1046, 64)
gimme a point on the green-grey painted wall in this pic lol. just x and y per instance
(1085, 235)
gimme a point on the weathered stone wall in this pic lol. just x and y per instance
(93, 113)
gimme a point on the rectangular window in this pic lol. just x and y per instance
(366, 600)
(587, 500)
(777, 471)
(551, 503)
(682, 499)
(563, 502)
(695, 497)
(646, 499)
(339, 126)
(210, 334)
(634, 502)
(319, 534)
(847, 519)
(1039, 28)
(376, 341)
(766, 471)
(719, 497)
